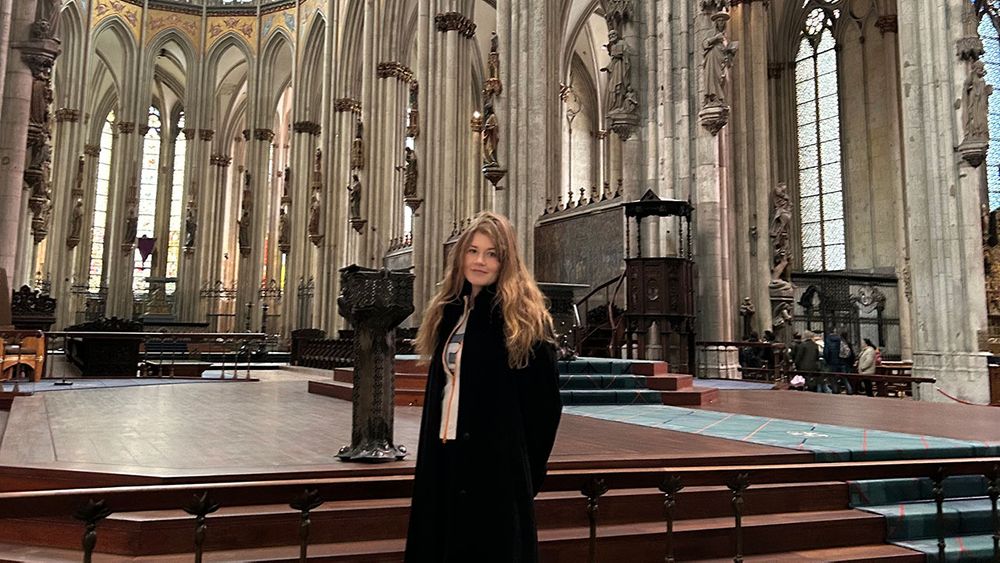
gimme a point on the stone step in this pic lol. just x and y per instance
(694, 396)
(404, 380)
(345, 391)
(670, 382)
(918, 520)
(583, 382)
(611, 397)
(612, 366)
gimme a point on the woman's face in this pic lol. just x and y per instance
(481, 265)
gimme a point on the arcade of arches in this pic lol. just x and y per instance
(194, 156)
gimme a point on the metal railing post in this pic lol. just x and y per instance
(670, 487)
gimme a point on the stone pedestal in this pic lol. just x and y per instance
(719, 362)
(375, 302)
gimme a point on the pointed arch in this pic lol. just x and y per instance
(309, 91)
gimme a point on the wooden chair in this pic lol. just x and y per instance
(28, 352)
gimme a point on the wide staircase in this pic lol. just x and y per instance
(583, 381)
(910, 509)
(796, 521)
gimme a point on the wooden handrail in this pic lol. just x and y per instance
(47, 503)
(610, 305)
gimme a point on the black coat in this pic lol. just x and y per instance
(473, 498)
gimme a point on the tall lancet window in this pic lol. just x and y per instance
(991, 59)
(95, 276)
(176, 201)
(821, 196)
(148, 182)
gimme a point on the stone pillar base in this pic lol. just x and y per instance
(719, 362)
(964, 376)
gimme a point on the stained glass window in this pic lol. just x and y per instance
(821, 196)
(147, 198)
(176, 203)
(991, 59)
(100, 223)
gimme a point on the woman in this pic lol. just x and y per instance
(866, 365)
(491, 407)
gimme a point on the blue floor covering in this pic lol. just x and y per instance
(827, 442)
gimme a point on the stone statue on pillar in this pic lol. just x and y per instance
(357, 147)
(246, 208)
(622, 100)
(75, 224)
(718, 53)
(780, 287)
(490, 136)
(286, 183)
(975, 114)
(284, 232)
(747, 311)
(315, 205)
(354, 200)
(409, 173)
(190, 229)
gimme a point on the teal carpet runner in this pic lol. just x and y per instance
(911, 515)
(827, 442)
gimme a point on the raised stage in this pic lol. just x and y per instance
(274, 430)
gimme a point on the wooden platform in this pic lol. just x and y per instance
(277, 430)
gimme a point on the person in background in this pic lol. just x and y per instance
(866, 366)
(806, 359)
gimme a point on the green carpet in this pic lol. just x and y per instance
(827, 442)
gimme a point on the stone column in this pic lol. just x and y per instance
(750, 136)
(5, 23)
(299, 258)
(339, 240)
(444, 32)
(716, 305)
(888, 25)
(14, 135)
(943, 198)
(251, 256)
(528, 112)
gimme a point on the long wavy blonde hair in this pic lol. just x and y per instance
(526, 319)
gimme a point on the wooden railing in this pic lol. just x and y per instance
(582, 329)
(91, 505)
(167, 354)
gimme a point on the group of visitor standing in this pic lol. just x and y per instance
(821, 357)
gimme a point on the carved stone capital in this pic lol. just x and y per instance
(774, 70)
(262, 134)
(395, 70)
(969, 48)
(308, 127)
(220, 160)
(347, 104)
(888, 24)
(455, 21)
(126, 127)
(206, 134)
(92, 150)
(189, 132)
(714, 118)
(67, 114)
(39, 57)
(246, 134)
(143, 129)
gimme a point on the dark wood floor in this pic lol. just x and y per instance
(173, 433)
(962, 422)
